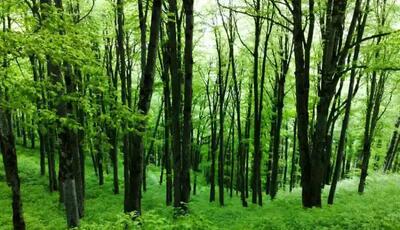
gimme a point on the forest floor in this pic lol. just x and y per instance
(378, 208)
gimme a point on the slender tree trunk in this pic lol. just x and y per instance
(151, 151)
(286, 157)
(32, 135)
(279, 97)
(221, 99)
(112, 130)
(341, 145)
(397, 156)
(302, 48)
(212, 105)
(176, 101)
(8, 149)
(121, 59)
(68, 160)
(187, 107)
(24, 130)
(247, 128)
(232, 153)
(294, 159)
(34, 64)
(391, 152)
(143, 106)
(332, 118)
(51, 162)
(167, 120)
(342, 141)
(241, 149)
(372, 117)
(256, 178)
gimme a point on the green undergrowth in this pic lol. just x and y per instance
(378, 208)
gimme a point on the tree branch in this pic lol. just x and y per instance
(87, 14)
(262, 17)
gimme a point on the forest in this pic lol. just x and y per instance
(200, 114)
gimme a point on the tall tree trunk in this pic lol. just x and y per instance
(176, 100)
(70, 167)
(391, 152)
(342, 141)
(302, 47)
(34, 64)
(396, 156)
(143, 106)
(232, 153)
(294, 158)
(372, 117)
(212, 106)
(247, 128)
(167, 119)
(67, 156)
(279, 96)
(112, 130)
(51, 161)
(151, 151)
(24, 130)
(187, 107)
(7, 145)
(32, 135)
(286, 157)
(256, 178)
(341, 145)
(121, 59)
(241, 149)
(221, 99)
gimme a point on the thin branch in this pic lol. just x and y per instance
(241, 40)
(281, 14)
(262, 17)
(387, 104)
(368, 38)
(87, 14)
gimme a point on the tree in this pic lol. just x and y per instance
(278, 102)
(345, 122)
(302, 49)
(391, 152)
(187, 107)
(8, 151)
(230, 31)
(7, 143)
(143, 106)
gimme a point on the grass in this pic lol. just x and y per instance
(378, 208)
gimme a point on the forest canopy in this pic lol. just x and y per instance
(109, 107)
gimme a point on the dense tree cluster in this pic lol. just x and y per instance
(254, 96)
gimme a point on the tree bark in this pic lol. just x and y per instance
(176, 101)
(8, 150)
(294, 159)
(342, 141)
(187, 107)
(167, 120)
(391, 152)
(143, 106)
(302, 47)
